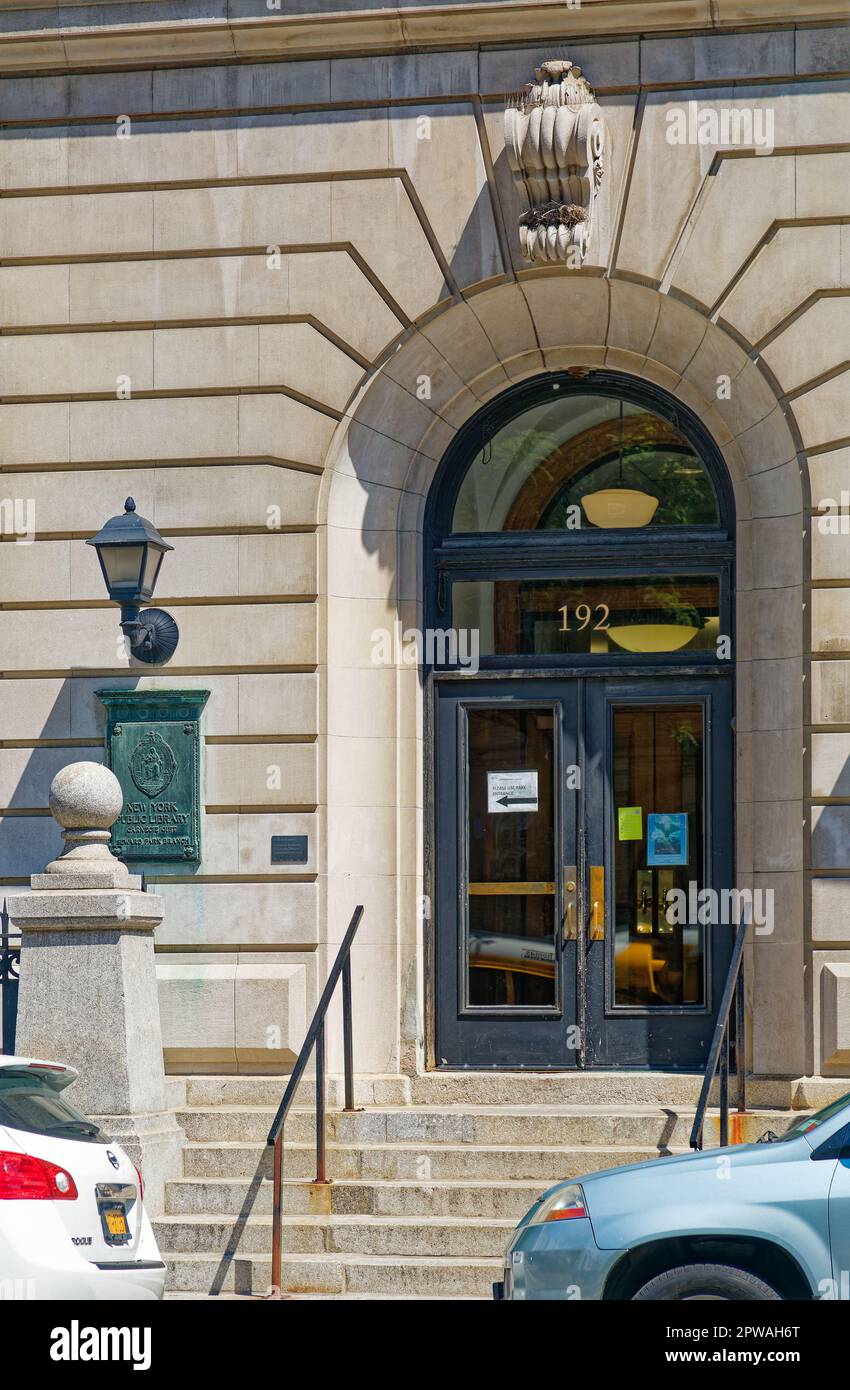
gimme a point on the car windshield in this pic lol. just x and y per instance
(810, 1122)
(29, 1103)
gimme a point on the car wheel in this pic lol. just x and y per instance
(706, 1283)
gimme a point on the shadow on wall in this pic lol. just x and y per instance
(830, 838)
(29, 836)
(403, 401)
(831, 827)
(445, 367)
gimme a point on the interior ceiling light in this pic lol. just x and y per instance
(652, 637)
(619, 507)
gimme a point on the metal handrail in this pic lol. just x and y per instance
(733, 994)
(315, 1036)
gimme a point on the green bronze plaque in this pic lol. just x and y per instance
(153, 745)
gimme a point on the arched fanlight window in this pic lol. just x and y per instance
(583, 516)
(619, 461)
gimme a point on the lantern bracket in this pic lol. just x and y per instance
(152, 633)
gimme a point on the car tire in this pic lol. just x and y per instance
(706, 1281)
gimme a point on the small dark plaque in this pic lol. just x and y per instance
(153, 747)
(289, 849)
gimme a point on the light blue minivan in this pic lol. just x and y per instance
(759, 1221)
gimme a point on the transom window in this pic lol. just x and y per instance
(584, 517)
(558, 454)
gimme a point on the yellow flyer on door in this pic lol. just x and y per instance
(630, 822)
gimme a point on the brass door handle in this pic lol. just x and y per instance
(570, 928)
(597, 902)
(570, 922)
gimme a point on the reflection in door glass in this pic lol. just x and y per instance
(658, 833)
(511, 872)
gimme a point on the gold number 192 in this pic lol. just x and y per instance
(583, 615)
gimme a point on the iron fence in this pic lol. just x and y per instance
(10, 968)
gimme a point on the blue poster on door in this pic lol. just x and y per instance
(667, 838)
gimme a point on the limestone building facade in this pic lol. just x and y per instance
(263, 271)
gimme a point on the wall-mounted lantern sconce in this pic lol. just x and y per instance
(130, 551)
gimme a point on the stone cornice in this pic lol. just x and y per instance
(142, 33)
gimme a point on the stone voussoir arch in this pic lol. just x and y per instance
(386, 452)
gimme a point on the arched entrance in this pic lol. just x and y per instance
(579, 583)
(378, 483)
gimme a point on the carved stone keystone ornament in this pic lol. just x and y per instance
(555, 137)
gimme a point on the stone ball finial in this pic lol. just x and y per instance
(86, 801)
(85, 796)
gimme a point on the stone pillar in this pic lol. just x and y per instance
(88, 992)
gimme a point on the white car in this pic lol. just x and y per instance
(72, 1223)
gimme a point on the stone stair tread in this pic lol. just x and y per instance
(208, 1077)
(179, 1295)
(463, 1109)
(345, 1257)
(387, 1297)
(413, 1183)
(184, 1296)
(202, 1219)
(412, 1146)
(798, 1089)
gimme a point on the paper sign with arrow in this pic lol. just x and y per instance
(511, 792)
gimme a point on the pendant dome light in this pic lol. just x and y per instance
(616, 508)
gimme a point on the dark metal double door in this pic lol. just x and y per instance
(570, 814)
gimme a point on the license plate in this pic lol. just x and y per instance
(115, 1228)
(116, 1223)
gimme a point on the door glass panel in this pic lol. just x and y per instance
(560, 617)
(510, 947)
(659, 946)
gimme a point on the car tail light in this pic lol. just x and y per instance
(141, 1183)
(27, 1179)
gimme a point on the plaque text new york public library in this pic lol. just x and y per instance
(153, 747)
